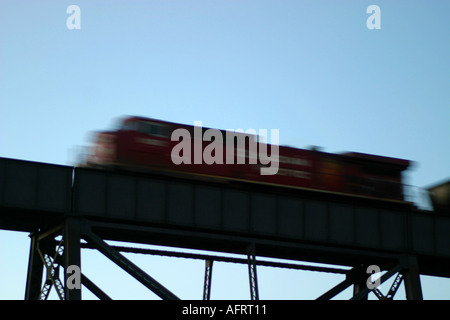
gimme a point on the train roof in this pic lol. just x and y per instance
(401, 163)
(375, 158)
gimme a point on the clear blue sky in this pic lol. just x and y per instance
(311, 69)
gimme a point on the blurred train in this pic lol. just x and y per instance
(144, 144)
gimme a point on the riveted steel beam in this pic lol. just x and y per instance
(253, 278)
(93, 288)
(208, 279)
(130, 267)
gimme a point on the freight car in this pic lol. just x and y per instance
(144, 144)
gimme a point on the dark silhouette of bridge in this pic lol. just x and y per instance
(61, 205)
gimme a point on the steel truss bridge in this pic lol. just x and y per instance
(66, 209)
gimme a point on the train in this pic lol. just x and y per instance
(144, 144)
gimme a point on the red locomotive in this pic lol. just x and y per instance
(148, 144)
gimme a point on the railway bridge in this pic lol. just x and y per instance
(66, 209)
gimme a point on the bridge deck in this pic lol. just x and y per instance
(218, 216)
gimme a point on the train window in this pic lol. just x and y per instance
(145, 127)
(159, 130)
(155, 130)
(129, 125)
(152, 129)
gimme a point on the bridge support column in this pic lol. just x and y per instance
(360, 281)
(411, 276)
(72, 255)
(35, 269)
(208, 279)
(253, 278)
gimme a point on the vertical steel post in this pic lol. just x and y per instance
(360, 277)
(35, 269)
(208, 279)
(411, 277)
(253, 278)
(72, 254)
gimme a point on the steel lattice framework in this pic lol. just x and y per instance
(67, 209)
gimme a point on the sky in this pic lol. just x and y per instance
(310, 68)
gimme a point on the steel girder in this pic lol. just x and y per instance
(44, 252)
(130, 267)
(252, 275)
(208, 279)
(406, 268)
